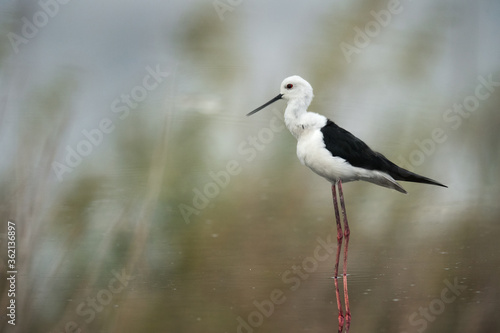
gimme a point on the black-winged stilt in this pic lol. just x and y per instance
(338, 156)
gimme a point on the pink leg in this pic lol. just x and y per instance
(339, 229)
(339, 246)
(346, 236)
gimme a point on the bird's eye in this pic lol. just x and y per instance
(289, 86)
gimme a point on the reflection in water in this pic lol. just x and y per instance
(343, 321)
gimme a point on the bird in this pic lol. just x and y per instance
(338, 156)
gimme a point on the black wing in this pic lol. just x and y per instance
(343, 144)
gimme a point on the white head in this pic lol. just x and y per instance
(293, 89)
(296, 88)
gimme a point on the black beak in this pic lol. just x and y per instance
(263, 106)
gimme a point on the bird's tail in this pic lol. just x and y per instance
(408, 176)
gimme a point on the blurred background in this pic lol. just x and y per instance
(145, 200)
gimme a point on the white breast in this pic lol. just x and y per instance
(312, 153)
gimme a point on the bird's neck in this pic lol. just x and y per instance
(294, 110)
